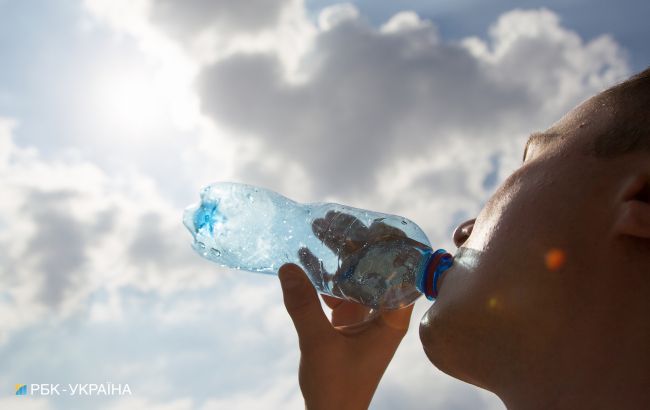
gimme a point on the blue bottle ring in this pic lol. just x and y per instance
(439, 262)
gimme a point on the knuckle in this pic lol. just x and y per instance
(298, 307)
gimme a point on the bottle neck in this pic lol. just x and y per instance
(434, 264)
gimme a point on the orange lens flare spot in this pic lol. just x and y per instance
(555, 259)
(493, 302)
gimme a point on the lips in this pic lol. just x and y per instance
(441, 279)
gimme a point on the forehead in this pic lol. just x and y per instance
(593, 114)
(580, 125)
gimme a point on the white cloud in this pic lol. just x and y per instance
(206, 31)
(336, 14)
(98, 283)
(188, 18)
(532, 51)
(406, 21)
(136, 403)
(24, 403)
(283, 395)
(70, 229)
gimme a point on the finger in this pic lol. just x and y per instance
(305, 310)
(354, 237)
(340, 230)
(381, 229)
(314, 266)
(331, 301)
(328, 230)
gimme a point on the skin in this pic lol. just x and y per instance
(548, 300)
(342, 361)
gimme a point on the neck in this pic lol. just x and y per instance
(609, 370)
(607, 389)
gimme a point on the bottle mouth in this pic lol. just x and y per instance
(439, 261)
(188, 218)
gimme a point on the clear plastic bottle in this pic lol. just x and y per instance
(379, 260)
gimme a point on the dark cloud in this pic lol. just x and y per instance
(105, 222)
(155, 244)
(186, 18)
(374, 96)
(371, 98)
(59, 244)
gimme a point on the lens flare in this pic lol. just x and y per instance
(555, 259)
(493, 302)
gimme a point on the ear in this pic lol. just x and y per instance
(633, 217)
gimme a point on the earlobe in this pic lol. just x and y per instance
(633, 217)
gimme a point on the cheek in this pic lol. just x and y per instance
(494, 219)
(512, 234)
(522, 238)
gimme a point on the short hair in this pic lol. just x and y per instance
(631, 129)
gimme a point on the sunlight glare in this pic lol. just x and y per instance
(128, 101)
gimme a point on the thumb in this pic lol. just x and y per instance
(304, 307)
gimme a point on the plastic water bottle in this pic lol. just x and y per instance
(379, 260)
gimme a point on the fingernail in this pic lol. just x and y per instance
(290, 278)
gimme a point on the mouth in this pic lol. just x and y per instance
(441, 280)
(464, 259)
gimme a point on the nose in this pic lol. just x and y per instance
(463, 231)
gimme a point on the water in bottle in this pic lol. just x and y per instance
(379, 260)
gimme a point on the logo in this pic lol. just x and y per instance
(78, 389)
(21, 389)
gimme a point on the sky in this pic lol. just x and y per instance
(115, 113)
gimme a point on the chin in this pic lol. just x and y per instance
(444, 346)
(451, 347)
(435, 340)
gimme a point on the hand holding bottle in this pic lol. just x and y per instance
(341, 361)
(350, 239)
